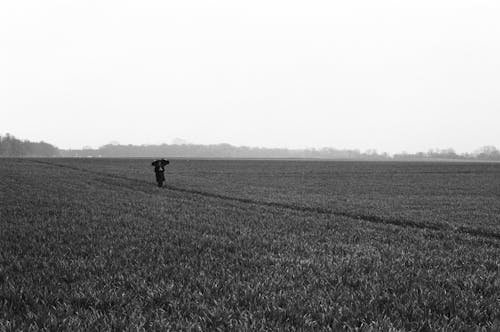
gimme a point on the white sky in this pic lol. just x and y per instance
(386, 75)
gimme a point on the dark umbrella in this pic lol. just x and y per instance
(160, 162)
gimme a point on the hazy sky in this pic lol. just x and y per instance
(387, 75)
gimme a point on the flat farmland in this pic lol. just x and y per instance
(93, 244)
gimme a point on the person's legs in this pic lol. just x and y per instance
(160, 177)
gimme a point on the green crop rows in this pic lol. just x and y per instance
(249, 245)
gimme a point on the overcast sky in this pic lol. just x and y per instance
(387, 75)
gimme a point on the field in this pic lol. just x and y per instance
(92, 244)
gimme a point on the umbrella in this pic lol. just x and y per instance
(160, 162)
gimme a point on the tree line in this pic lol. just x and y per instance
(213, 151)
(13, 147)
(487, 153)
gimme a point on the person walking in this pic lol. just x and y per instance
(159, 166)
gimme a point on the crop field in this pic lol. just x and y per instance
(93, 244)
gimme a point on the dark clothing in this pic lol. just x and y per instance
(160, 173)
(159, 166)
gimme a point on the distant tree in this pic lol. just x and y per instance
(488, 152)
(13, 147)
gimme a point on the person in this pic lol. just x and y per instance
(159, 166)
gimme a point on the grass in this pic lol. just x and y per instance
(94, 245)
